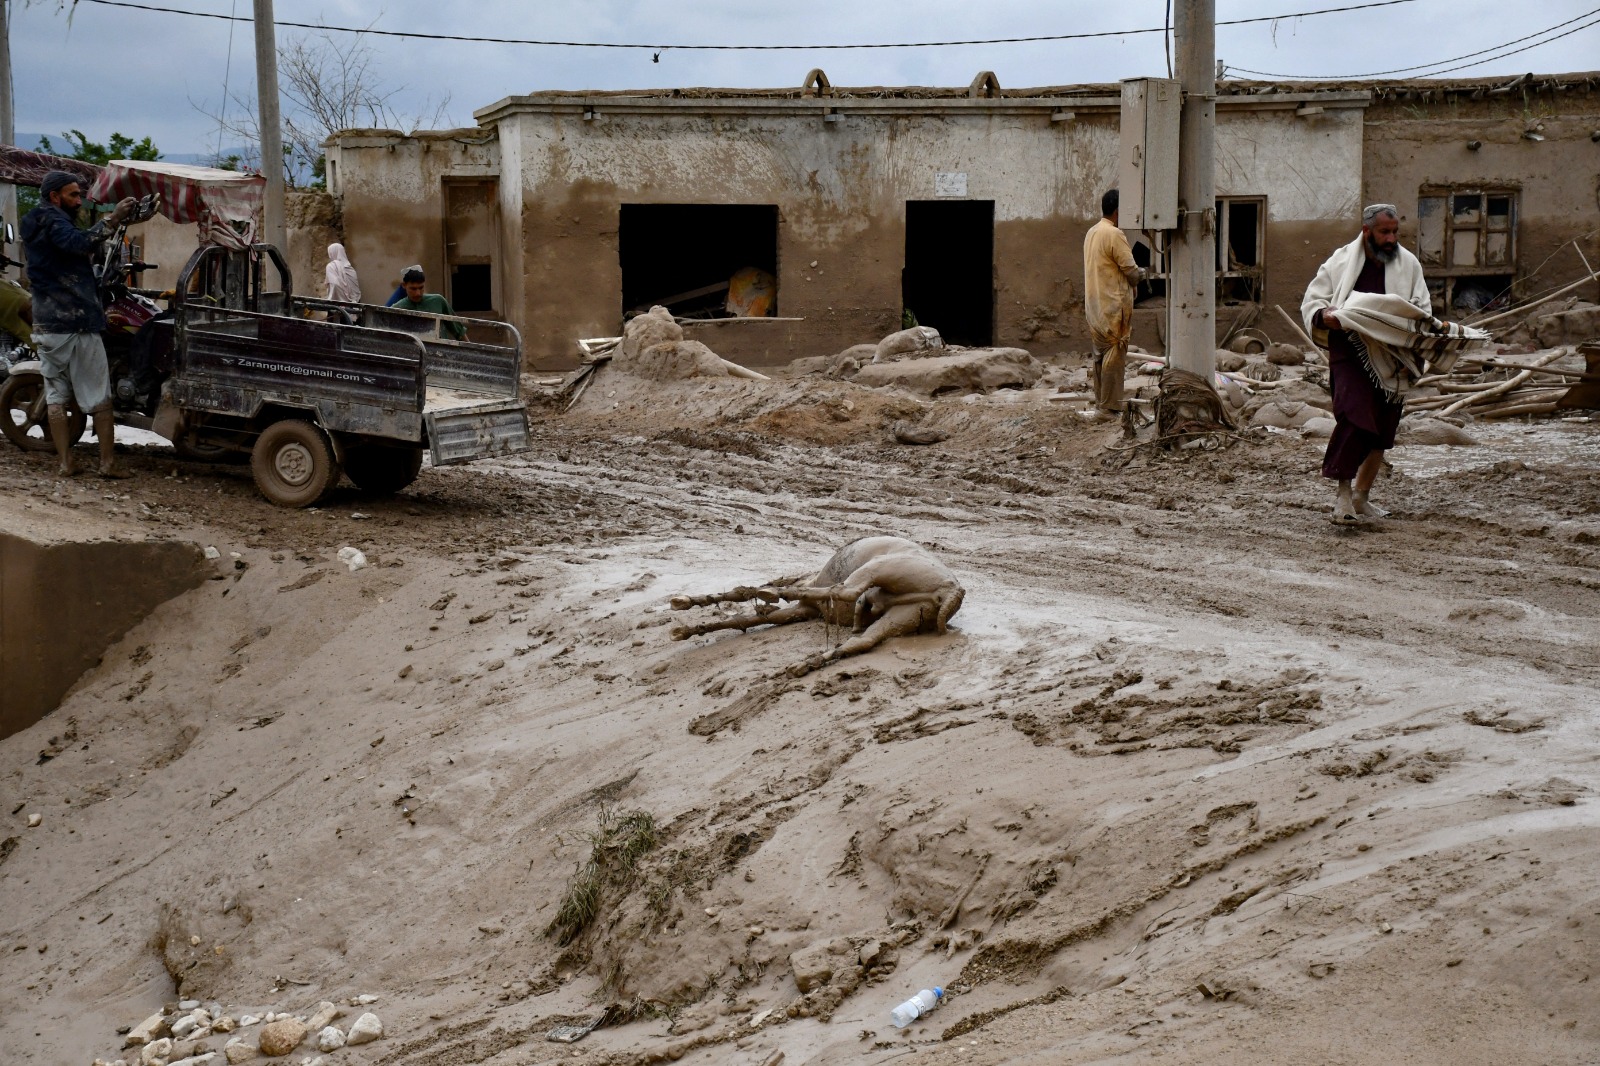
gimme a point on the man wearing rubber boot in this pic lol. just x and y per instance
(67, 315)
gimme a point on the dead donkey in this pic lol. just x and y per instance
(881, 587)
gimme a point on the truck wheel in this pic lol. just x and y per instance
(293, 463)
(22, 414)
(382, 470)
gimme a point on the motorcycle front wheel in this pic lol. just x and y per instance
(23, 418)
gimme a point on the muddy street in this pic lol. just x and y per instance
(1194, 775)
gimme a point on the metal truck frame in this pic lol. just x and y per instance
(364, 392)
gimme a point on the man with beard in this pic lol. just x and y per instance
(1367, 401)
(67, 315)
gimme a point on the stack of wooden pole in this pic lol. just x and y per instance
(1499, 387)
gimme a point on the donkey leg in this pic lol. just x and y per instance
(898, 621)
(741, 594)
(797, 612)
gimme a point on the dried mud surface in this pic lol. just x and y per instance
(1194, 777)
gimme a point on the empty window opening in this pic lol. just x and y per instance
(699, 260)
(1154, 285)
(948, 280)
(1241, 238)
(1467, 241)
(1241, 249)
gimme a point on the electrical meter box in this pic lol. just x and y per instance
(1148, 175)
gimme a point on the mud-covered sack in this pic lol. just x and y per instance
(908, 343)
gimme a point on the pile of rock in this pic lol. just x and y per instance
(182, 1034)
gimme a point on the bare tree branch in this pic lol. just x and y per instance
(327, 84)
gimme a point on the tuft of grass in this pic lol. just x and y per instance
(615, 849)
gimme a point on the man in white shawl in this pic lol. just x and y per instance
(343, 285)
(1369, 307)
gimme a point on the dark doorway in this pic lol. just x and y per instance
(471, 229)
(948, 281)
(470, 288)
(684, 255)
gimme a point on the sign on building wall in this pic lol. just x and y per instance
(949, 184)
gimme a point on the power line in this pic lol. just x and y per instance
(1429, 66)
(1524, 48)
(416, 35)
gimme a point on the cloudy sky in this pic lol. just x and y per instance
(102, 68)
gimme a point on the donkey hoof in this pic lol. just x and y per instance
(681, 603)
(805, 666)
(682, 632)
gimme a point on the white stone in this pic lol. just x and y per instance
(247, 1019)
(184, 1026)
(188, 1004)
(34, 820)
(156, 1052)
(366, 1029)
(325, 1013)
(364, 1000)
(145, 1031)
(195, 1060)
(237, 1051)
(330, 1038)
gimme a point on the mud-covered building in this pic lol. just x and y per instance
(565, 212)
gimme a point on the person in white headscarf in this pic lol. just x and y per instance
(343, 285)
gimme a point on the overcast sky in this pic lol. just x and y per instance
(141, 73)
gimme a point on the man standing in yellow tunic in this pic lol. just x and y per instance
(1109, 274)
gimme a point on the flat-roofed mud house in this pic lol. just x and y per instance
(564, 212)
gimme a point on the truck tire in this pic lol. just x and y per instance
(17, 399)
(293, 463)
(382, 470)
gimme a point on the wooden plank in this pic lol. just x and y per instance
(679, 297)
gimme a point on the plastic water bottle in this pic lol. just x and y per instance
(916, 1007)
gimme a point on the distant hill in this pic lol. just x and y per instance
(30, 141)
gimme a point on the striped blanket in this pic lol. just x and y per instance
(1399, 342)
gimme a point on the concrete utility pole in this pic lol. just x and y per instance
(8, 116)
(271, 125)
(1192, 288)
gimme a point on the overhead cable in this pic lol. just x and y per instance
(1435, 63)
(420, 35)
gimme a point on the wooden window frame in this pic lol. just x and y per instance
(1255, 275)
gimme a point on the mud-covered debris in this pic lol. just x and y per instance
(906, 433)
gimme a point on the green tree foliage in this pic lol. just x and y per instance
(119, 146)
(76, 145)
